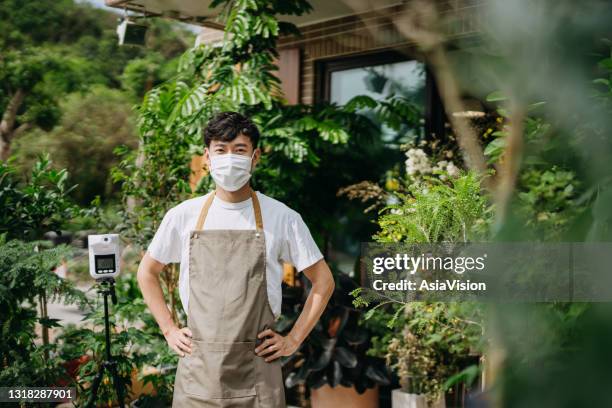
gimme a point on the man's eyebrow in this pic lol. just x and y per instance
(240, 144)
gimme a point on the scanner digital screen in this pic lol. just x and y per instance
(105, 263)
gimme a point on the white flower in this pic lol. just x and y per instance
(452, 170)
(417, 162)
(447, 167)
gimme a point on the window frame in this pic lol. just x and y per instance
(435, 117)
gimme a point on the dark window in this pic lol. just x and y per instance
(380, 75)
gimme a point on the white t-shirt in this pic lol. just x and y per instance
(287, 238)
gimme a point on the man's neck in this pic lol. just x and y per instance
(242, 194)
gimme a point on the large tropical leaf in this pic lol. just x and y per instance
(346, 357)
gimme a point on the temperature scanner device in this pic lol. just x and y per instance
(104, 252)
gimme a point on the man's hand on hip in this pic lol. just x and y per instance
(179, 340)
(275, 345)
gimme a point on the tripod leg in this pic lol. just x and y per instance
(116, 380)
(94, 387)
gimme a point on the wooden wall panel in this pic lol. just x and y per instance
(289, 73)
(367, 32)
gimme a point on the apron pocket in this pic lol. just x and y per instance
(220, 370)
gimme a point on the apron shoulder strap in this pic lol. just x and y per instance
(257, 209)
(204, 211)
(208, 203)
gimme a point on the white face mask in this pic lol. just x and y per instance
(230, 171)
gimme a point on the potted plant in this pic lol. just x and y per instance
(332, 362)
(434, 350)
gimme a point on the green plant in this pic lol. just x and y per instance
(547, 200)
(30, 208)
(34, 206)
(548, 188)
(108, 123)
(430, 346)
(382, 332)
(156, 175)
(76, 342)
(434, 345)
(137, 346)
(562, 194)
(335, 351)
(27, 281)
(65, 48)
(436, 211)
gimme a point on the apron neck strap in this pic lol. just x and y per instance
(209, 201)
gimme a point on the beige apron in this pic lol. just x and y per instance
(228, 307)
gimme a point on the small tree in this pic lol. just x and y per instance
(37, 205)
(27, 279)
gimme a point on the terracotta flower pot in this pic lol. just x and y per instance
(72, 369)
(328, 397)
(138, 387)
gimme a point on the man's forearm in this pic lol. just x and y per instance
(315, 304)
(154, 298)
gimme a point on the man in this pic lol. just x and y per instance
(231, 244)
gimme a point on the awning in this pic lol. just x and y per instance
(198, 11)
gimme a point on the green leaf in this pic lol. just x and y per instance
(495, 149)
(606, 63)
(496, 96)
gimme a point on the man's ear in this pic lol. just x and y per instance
(256, 156)
(206, 158)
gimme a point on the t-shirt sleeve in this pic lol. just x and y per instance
(165, 247)
(299, 247)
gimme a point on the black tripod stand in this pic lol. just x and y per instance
(107, 288)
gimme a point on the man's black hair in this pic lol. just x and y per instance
(226, 126)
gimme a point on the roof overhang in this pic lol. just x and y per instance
(199, 11)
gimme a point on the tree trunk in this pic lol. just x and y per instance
(132, 201)
(449, 91)
(44, 315)
(511, 162)
(7, 125)
(420, 23)
(5, 149)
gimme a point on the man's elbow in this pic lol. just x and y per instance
(332, 287)
(322, 278)
(330, 284)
